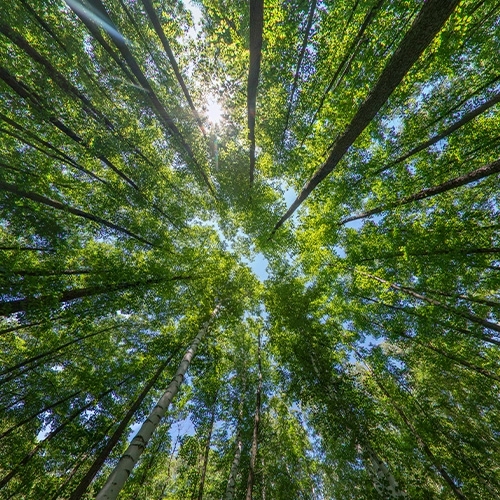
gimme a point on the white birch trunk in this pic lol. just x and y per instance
(231, 482)
(121, 472)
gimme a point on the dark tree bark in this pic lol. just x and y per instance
(426, 26)
(463, 180)
(468, 117)
(30, 195)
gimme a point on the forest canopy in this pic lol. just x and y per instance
(249, 250)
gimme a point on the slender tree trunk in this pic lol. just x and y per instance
(52, 351)
(310, 18)
(231, 482)
(20, 305)
(255, 434)
(207, 450)
(30, 195)
(97, 7)
(44, 409)
(467, 298)
(120, 474)
(452, 128)
(256, 27)
(464, 331)
(383, 480)
(148, 6)
(456, 359)
(345, 63)
(463, 180)
(432, 17)
(434, 302)
(430, 253)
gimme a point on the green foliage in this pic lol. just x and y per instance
(126, 218)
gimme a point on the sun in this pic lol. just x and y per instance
(214, 110)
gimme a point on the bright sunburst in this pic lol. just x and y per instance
(214, 110)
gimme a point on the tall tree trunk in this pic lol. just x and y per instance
(463, 180)
(434, 302)
(430, 253)
(52, 351)
(148, 6)
(383, 480)
(452, 128)
(433, 15)
(480, 336)
(30, 195)
(231, 481)
(43, 410)
(310, 17)
(207, 450)
(20, 305)
(256, 27)
(120, 474)
(98, 9)
(256, 422)
(345, 63)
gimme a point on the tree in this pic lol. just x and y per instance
(363, 364)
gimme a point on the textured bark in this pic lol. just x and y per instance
(121, 472)
(383, 480)
(256, 27)
(463, 180)
(471, 317)
(30, 195)
(255, 433)
(231, 482)
(80, 490)
(426, 26)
